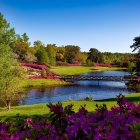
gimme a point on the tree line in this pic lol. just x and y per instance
(51, 54)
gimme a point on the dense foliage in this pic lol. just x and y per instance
(9, 70)
(119, 123)
(136, 47)
(51, 54)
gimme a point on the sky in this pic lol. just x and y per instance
(108, 25)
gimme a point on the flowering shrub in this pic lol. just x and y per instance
(119, 123)
(35, 66)
(102, 65)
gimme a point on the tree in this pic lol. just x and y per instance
(71, 53)
(52, 50)
(22, 46)
(82, 57)
(9, 76)
(42, 56)
(60, 56)
(136, 47)
(95, 56)
(38, 44)
(9, 70)
(89, 62)
(131, 67)
(7, 34)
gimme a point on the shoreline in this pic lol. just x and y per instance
(41, 109)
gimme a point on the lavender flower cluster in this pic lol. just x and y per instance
(119, 123)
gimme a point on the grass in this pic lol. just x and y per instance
(62, 70)
(75, 70)
(135, 97)
(41, 109)
(42, 82)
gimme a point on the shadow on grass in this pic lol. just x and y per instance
(131, 99)
(23, 117)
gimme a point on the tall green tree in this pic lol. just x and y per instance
(136, 47)
(60, 56)
(71, 53)
(9, 70)
(38, 44)
(22, 46)
(95, 56)
(42, 56)
(52, 51)
(82, 57)
(9, 76)
(7, 34)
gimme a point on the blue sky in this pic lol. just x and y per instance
(108, 25)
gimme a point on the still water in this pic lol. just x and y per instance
(79, 90)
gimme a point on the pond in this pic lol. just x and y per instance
(78, 91)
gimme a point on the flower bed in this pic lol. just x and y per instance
(35, 66)
(102, 65)
(119, 123)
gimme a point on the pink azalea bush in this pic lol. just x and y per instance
(119, 123)
(102, 65)
(35, 66)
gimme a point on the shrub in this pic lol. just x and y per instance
(102, 65)
(35, 66)
(119, 123)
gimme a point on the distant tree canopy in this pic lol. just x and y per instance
(71, 53)
(118, 59)
(7, 34)
(52, 51)
(136, 47)
(42, 56)
(22, 46)
(60, 55)
(95, 56)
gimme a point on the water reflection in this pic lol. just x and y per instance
(81, 89)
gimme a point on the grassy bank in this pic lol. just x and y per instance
(42, 82)
(41, 109)
(62, 70)
(75, 70)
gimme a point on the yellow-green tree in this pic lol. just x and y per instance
(9, 69)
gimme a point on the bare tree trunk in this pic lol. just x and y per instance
(8, 104)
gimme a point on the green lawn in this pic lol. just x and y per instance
(62, 70)
(42, 82)
(75, 70)
(41, 109)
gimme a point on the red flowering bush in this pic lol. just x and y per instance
(102, 65)
(119, 123)
(35, 66)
